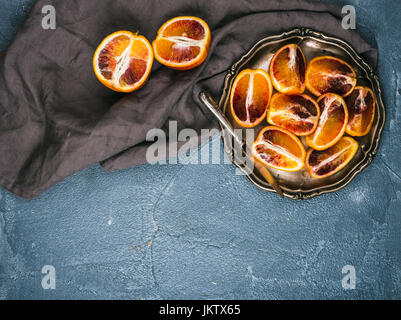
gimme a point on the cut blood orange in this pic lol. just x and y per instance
(332, 122)
(361, 109)
(123, 61)
(250, 97)
(322, 164)
(298, 114)
(279, 149)
(287, 70)
(182, 43)
(329, 74)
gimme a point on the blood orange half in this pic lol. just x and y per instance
(122, 62)
(182, 43)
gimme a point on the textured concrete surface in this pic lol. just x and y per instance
(186, 231)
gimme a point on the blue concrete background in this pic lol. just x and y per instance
(186, 231)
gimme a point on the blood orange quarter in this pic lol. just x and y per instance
(279, 149)
(250, 97)
(287, 70)
(298, 114)
(332, 122)
(361, 108)
(123, 61)
(321, 164)
(329, 74)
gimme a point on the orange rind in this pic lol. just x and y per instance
(298, 114)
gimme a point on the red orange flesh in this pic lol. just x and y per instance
(287, 70)
(279, 149)
(250, 97)
(321, 164)
(329, 74)
(298, 114)
(361, 108)
(332, 122)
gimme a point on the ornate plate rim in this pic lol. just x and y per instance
(371, 75)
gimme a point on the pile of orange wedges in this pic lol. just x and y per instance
(316, 106)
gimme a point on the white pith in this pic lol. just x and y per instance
(362, 95)
(123, 63)
(249, 97)
(185, 42)
(293, 116)
(293, 57)
(327, 75)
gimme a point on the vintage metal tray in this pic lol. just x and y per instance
(299, 185)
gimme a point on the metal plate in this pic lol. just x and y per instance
(299, 185)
